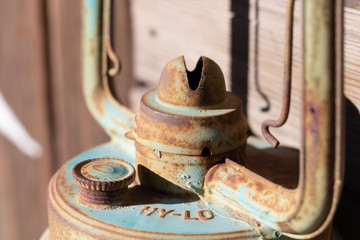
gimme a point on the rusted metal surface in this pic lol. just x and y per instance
(112, 116)
(234, 182)
(307, 211)
(186, 126)
(204, 86)
(286, 95)
(103, 181)
(182, 134)
(144, 214)
(176, 174)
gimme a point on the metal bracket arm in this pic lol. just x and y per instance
(112, 116)
(306, 211)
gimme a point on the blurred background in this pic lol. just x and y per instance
(43, 118)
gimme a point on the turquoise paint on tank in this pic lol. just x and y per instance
(131, 215)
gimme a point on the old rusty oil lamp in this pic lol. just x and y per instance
(177, 169)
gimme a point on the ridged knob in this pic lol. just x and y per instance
(103, 180)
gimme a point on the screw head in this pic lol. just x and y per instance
(157, 153)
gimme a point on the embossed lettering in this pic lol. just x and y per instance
(205, 215)
(164, 212)
(186, 216)
(145, 208)
(151, 212)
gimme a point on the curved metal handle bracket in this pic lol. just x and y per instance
(286, 98)
(115, 118)
(306, 211)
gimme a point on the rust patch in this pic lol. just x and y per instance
(259, 190)
(92, 49)
(110, 188)
(204, 86)
(97, 98)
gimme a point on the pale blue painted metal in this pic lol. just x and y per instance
(112, 116)
(131, 217)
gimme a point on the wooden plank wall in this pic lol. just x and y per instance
(235, 34)
(245, 37)
(40, 78)
(23, 84)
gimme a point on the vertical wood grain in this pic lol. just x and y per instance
(40, 77)
(23, 82)
(74, 129)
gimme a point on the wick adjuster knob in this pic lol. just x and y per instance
(103, 180)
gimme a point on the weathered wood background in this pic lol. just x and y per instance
(40, 78)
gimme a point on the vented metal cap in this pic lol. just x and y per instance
(191, 112)
(204, 86)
